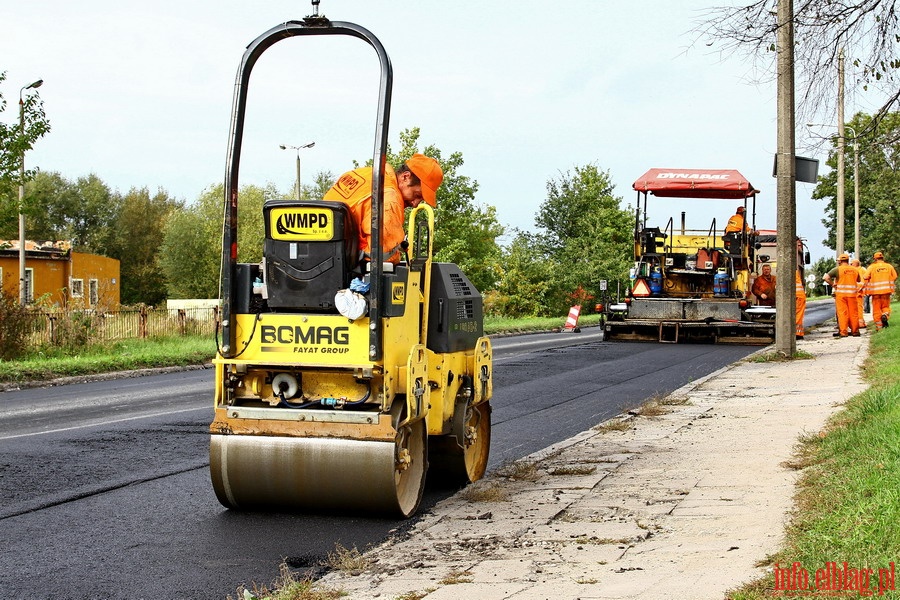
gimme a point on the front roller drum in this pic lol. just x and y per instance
(250, 472)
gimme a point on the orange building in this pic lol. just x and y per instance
(57, 276)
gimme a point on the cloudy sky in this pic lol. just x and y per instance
(140, 94)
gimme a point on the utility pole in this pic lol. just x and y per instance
(855, 195)
(839, 217)
(786, 194)
(23, 287)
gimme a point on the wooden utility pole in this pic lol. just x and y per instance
(786, 199)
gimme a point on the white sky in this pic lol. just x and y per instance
(140, 94)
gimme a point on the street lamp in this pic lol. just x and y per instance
(298, 149)
(840, 243)
(22, 294)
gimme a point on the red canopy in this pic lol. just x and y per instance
(695, 183)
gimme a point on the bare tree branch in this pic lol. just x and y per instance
(867, 30)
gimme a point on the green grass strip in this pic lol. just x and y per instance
(119, 356)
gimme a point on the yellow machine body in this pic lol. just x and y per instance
(322, 407)
(304, 418)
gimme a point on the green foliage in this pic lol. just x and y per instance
(83, 212)
(819, 268)
(135, 241)
(879, 180)
(465, 231)
(103, 358)
(191, 252)
(523, 289)
(323, 182)
(587, 235)
(14, 327)
(74, 329)
(14, 142)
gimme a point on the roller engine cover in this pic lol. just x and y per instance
(455, 313)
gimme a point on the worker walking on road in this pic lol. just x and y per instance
(846, 281)
(764, 287)
(880, 286)
(800, 297)
(861, 297)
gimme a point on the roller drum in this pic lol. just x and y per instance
(319, 473)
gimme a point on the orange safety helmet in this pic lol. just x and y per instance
(429, 173)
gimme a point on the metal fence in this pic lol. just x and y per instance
(60, 327)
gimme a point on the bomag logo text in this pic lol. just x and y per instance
(297, 223)
(288, 334)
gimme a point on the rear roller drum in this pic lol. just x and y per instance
(462, 457)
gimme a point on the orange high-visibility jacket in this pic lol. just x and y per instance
(848, 280)
(799, 289)
(881, 278)
(736, 223)
(354, 188)
(864, 275)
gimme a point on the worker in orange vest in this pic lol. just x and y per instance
(737, 223)
(800, 296)
(846, 282)
(417, 180)
(764, 287)
(881, 278)
(861, 297)
(736, 227)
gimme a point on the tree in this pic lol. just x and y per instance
(14, 142)
(879, 182)
(867, 30)
(819, 268)
(82, 212)
(191, 251)
(323, 182)
(524, 285)
(135, 242)
(587, 235)
(465, 232)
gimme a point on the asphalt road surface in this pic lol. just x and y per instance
(105, 493)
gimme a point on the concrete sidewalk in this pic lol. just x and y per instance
(682, 505)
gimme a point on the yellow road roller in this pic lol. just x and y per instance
(313, 410)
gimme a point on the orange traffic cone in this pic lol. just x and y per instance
(572, 319)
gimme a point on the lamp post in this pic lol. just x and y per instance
(298, 149)
(839, 243)
(22, 294)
